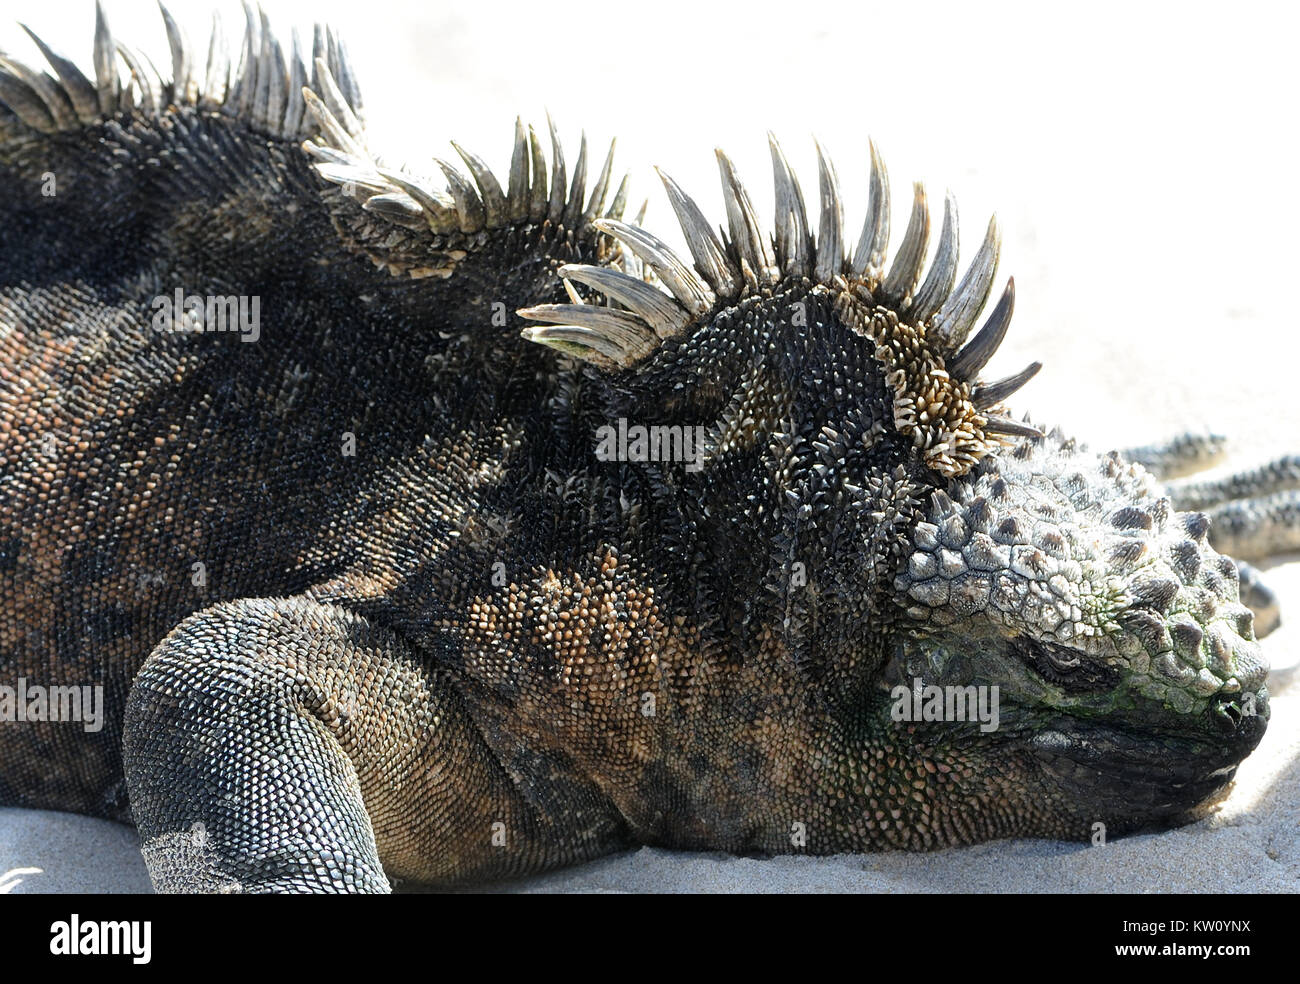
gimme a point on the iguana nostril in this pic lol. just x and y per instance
(1226, 714)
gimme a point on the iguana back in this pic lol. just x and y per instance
(153, 468)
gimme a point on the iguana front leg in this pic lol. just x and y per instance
(287, 746)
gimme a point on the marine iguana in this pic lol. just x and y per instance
(383, 584)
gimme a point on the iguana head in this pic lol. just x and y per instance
(1130, 683)
(903, 532)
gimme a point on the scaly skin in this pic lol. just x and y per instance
(437, 637)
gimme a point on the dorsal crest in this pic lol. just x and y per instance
(408, 223)
(264, 89)
(921, 322)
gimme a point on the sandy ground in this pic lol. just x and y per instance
(1138, 161)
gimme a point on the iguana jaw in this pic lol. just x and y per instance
(1068, 761)
(1132, 779)
(1082, 751)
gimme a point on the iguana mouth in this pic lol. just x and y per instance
(1134, 779)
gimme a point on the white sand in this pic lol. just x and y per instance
(1135, 158)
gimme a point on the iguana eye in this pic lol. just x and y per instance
(1066, 668)
(1063, 661)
